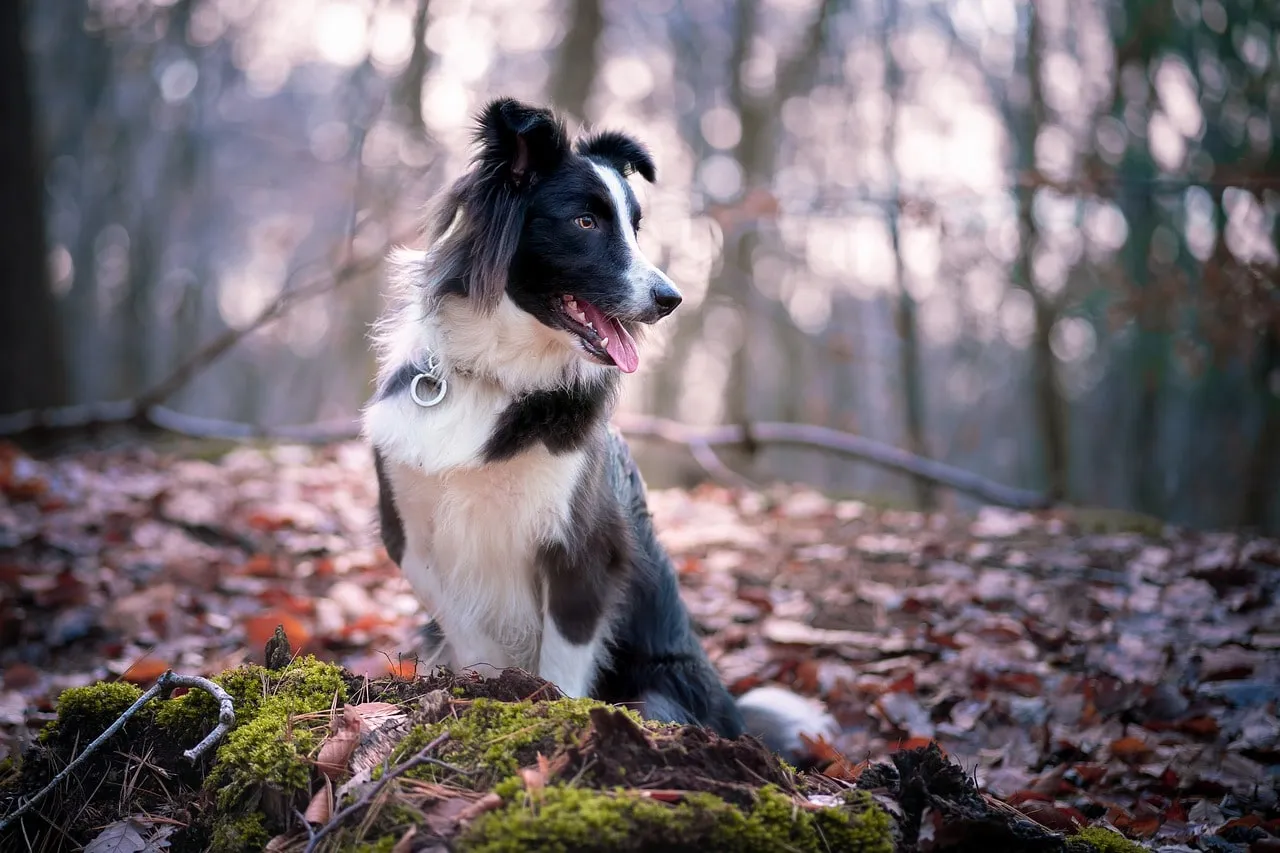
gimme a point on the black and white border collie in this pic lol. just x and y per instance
(514, 510)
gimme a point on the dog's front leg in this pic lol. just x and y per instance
(576, 596)
(568, 665)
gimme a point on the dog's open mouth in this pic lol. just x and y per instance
(603, 337)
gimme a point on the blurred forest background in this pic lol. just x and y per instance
(1036, 239)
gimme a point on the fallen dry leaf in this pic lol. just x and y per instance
(320, 809)
(334, 758)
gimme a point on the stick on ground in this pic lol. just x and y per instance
(166, 682)
(422, 757)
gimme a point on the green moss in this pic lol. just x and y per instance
(1105, 841)
(86, 712)
(313, 683)
(242, 834)
(268, 750)
(269, 747)
(561, 818)
(307, 684)
(495, 738)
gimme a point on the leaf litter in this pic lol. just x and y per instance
(1078, 670)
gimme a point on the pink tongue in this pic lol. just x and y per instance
(621, 346)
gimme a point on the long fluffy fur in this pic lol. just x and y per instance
(515, 512)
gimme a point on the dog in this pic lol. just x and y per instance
(511, 505)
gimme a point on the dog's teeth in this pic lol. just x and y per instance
(604, 342)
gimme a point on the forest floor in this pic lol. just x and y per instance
(1082, 667)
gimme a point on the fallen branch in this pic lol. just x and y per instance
(843, 443)
(166, 682)
(699, 441)
(422, 757)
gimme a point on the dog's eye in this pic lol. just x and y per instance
(586, 220)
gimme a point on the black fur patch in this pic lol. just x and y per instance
(562, 419)
(432, 638)
(656, 658)
(586, 574)
(389, 524)
(396, 383)
(619, 151)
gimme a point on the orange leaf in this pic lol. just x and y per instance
(919, 743)
(261, 628)
(838, 766)
(260, 565)
(145, 670)
(1130, 748)
(905, 684)
(406, 668)
(1204, 726)
(807, 680)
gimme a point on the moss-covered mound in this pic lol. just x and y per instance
(462, 763)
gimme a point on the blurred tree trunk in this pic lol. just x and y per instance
(577, 63)
(32, 372)
(756, 154)
(1263, 474)
(1050, 405)
(905, 313)
(408, 93)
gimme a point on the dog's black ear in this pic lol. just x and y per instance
(619, 151)
(520, 142)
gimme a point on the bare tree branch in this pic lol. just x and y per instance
(214, 349)
(846, 444)
(700, 442)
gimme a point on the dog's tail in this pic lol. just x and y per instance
(779, 717)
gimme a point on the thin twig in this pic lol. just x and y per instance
(164, 684)
(145, 409)
(423, 757)
(198, 361)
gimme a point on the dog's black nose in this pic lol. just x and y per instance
(667, 298)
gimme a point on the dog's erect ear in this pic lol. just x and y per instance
(619, 151)
(520, 142)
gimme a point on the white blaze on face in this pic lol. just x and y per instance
(642, 275)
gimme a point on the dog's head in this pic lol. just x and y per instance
(552, 226)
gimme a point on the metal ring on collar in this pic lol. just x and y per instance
(442, 387)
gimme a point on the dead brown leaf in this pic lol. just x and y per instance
(320, 809)
(334, 758)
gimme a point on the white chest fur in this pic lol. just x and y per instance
(473, 529)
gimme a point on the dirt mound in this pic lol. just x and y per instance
(321, 760)
(616, 751)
